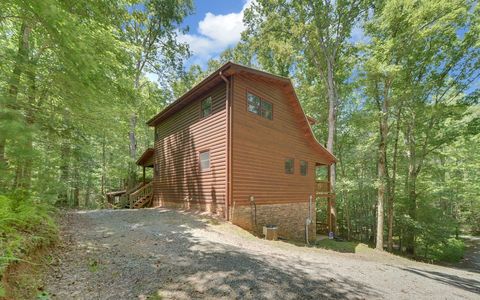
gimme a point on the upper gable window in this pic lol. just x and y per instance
(206, 107)
(259, 106)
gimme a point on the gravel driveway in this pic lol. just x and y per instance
(138, 254)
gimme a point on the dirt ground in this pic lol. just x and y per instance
(164, 254)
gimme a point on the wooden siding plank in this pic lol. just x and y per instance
(260, 147)
(180, 138)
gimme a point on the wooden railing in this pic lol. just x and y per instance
(322, 187)
(140, 193)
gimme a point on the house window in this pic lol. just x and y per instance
(289, 166)
(303, 168)
(259, 106)
(206, 107)
(156, 170)
(266, 109)
(204, 158)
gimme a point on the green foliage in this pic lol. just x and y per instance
(43, 296)
(451, 251)
(338, 246)
(71, 76)
(25, 225)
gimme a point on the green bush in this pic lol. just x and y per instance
(25, 225)
(452, 250)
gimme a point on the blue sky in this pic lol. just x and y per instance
(214, 26)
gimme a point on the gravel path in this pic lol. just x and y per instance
(471, 258)
(137, 254)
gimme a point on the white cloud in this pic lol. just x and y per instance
(216, 33)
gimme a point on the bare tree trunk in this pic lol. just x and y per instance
(64, 174)
(411, 188)
(133, 151)
(345, 198)
(382, 154)
(88, 192)
(332, 116)
(392, 182)
(23, 172)
(104, 168)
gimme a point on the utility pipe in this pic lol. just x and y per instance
(308, 221)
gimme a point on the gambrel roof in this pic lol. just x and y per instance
(230, 69)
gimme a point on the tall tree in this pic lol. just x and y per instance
(152, 30)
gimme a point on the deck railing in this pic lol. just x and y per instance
(323, 186)
(145, 190)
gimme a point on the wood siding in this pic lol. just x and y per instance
(179, 140)
(260, 147)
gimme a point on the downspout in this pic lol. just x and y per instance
(228, 146)
(308, 221)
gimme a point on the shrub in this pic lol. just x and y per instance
(25, 225)
(452, 250)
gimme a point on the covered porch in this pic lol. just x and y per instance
(143, 195)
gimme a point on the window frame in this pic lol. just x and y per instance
(292, 167)
(260, 107)
(306, 167)
(202, 115)
(200, 160)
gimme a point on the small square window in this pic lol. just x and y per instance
(204, 158)
(303, 168)
(207, 107)
(289, 166)
(156, 169)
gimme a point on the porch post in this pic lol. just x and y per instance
(143, 174)
(329, 205)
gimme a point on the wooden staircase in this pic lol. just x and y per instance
(141, 197)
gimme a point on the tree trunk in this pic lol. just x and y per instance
(345, 197)
(23, 173)
(133, 151)
(11, 100)
(392, 182)
(64, 174)
(332, 116)
(382, 154)
(411, 189)
(104, 168)
(88, 192)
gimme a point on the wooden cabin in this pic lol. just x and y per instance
(239, 145)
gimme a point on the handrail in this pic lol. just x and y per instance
(323, 186)
(144, 191)
(135, 188)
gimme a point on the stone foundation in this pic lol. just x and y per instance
(290, 219)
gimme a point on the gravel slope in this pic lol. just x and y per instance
(136, 254)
